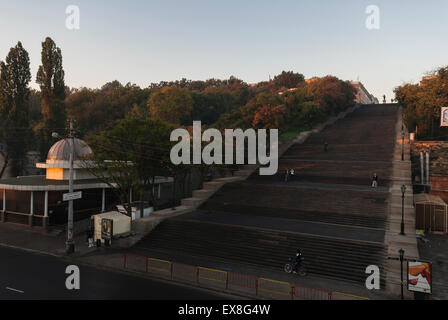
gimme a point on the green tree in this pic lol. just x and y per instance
(211, 103)
(172, 105)
(131, 155)
(93, 109)
(14, 108)
(50, 78)
(288, 79)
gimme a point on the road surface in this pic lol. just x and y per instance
(25, 275)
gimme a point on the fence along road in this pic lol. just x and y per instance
(230, 282)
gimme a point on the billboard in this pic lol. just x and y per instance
(419, 276)
(444, 117)
(107, 228)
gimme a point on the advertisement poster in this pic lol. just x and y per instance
(419, 276)
(444, 117)
(106, 229)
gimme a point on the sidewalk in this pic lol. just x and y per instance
(395, 241)
(36, 240)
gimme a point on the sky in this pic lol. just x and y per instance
(142, 41)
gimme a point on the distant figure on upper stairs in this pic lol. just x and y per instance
(374, 181)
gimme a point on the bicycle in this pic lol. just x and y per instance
(291, 266)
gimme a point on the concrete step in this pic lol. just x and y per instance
(326, 257)
(191, 202)
(212, 185)
(202, 193)
(243, 173)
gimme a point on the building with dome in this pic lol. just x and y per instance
(37, 200)
(58, 161)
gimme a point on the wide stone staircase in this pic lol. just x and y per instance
(328, 211)
(325, 257)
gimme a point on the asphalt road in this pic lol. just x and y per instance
(25, 275)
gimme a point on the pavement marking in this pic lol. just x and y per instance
(15, 290)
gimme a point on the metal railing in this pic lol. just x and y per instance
(231, 282)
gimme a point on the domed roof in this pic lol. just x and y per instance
(61, 150)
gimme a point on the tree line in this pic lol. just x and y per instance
(28, 117)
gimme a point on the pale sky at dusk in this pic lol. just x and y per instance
(148, 41)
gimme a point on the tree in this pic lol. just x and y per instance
(131, 154)
(50, 78)
(288, 79)
(422, 102)
(14, 108)
(172, 105)
(310, 115)
(211, 103)
(270, 117)
(332, 94)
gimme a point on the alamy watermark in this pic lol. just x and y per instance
(373, 280)
(212, 153)
(73, 281)
(373, 19)
(73, 19)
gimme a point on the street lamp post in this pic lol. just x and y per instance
(402, 146)
(174, 191)
(403, 190)
(402, 134)
(69, 244)
(401, 252)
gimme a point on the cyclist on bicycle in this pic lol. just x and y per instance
(298, 260)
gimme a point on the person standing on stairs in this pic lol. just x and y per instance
(374, 181)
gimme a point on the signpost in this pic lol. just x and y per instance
(107, 231)
(72, 196)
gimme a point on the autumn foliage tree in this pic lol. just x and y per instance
(299, 108)
(332, 94)
(422, 104)
(269, 117)
(172, 105)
